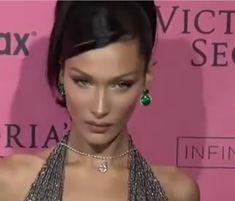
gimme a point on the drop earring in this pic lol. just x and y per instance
(145, 99)
(61, 89)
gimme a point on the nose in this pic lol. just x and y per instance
(100, 104)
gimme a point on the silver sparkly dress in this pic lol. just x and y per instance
(48, 186)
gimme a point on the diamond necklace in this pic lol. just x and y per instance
(103, 167)
(49, 184)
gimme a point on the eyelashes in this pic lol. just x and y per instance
(82, 82)
(124, 84)
(121, 85)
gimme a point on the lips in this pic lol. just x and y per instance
(101, 124)
(96, 127)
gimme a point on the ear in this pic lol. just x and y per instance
(149, 73)
(61, 75)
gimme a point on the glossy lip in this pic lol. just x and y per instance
(100, 125)
(99, 128)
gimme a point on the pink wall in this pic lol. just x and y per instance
(191, 121)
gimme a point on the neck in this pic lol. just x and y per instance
(114, 147)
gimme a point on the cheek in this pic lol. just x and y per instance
(76, 100)
(124, 104)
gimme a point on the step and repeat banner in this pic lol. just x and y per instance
(190, 123)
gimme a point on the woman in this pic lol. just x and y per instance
(99, 61)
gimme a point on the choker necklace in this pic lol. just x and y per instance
(103, 167)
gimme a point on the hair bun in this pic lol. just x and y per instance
(150, 8)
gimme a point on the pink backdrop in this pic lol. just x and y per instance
(191, 121)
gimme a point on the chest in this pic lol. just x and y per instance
(98, 187)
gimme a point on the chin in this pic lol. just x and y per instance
(99, 139)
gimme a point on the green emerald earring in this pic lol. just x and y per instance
(145, 99)
(61, 89)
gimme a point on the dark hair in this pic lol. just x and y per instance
(80, 26)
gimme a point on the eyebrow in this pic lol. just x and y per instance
(115, 78)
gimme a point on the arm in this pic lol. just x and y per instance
(177, 185)
(17, 173)
(4, 183)
(188, 189)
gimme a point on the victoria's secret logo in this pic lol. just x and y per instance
(15, 43)
(222, 52)
(15, 139)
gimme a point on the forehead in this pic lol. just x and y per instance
(115, 58)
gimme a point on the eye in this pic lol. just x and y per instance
(124, 85)
(82, 82)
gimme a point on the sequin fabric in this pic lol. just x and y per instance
(48, 186)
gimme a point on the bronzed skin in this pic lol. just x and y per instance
(102, 86)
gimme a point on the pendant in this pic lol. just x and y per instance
(103, 167)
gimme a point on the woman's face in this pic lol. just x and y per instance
(102, 87)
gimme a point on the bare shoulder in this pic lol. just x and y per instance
(177, 185)
(17, 172)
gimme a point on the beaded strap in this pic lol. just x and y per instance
(49, 184)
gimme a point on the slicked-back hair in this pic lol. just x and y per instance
(80, 26)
